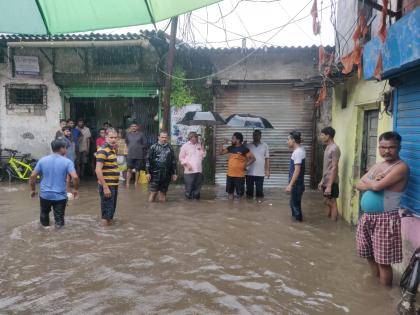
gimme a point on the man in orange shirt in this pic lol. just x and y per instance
(240, 157)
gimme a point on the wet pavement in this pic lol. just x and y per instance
(209, 257)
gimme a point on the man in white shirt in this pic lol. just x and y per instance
(258, 169)
(296, 185)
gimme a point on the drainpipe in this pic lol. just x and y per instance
(73, 44)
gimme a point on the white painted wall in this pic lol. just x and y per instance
(13, 125)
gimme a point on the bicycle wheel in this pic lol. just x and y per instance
(3, 174)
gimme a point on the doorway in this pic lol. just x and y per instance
(369, 144)
(120, 112)
(370, 138)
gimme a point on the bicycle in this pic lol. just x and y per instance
(18, 168)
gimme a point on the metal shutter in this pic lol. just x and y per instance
(286, 108)
(407, 123)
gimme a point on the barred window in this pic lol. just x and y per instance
(26, 96)
(2, 55)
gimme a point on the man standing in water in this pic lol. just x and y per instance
(100, 141)
(330, 180)
(54, 169)
(70, 145)
(259, 169)
(379, 229)
(161, 168)
(59, 133)
(296, 185)
(108, 176)
(136, 157)
(84, 146)
(191, 158)
(239, 158)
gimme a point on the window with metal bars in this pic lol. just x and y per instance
(26, 96)
(2, 55)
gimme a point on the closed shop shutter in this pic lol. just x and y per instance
(286, 108)
(407, 124)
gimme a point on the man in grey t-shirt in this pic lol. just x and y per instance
(330, 180)
(137, 148)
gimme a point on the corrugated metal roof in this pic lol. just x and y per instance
(262, 49)
(141, 35)
(71, 37)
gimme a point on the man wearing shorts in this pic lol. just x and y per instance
(330, 180)
(108, 176)
(54, 170)
(160, 168)
(239, 158)
(136, 157)
(379, 229)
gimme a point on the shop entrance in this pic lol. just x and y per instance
(120, 112)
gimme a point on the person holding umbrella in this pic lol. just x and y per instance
(191, 158)
(240, 157)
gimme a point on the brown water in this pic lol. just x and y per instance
(207, 257)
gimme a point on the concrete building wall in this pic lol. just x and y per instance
(81, 61)
(273, 64)
(348, 123)
(14, 124)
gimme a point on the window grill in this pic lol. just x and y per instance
(26, 96)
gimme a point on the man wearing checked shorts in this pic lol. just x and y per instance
(379, 229)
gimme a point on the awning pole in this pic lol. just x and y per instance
(168, 79)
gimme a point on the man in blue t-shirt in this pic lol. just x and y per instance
(54, 170)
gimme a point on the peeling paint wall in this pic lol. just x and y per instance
(29, 132)
(348, 123)
(273, 64)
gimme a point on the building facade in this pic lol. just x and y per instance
(98, 78)
(279, 84)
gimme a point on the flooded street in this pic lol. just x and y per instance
(207, 257)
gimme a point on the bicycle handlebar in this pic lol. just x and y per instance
(10, 150)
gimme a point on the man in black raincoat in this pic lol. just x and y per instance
(161, 168)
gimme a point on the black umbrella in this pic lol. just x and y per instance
(202, 119)
(248, 121)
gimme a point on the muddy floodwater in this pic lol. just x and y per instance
(209, 257)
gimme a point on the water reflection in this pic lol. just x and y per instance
(207, 257)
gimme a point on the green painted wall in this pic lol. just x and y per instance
(348, 123)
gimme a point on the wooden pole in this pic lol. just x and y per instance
(168, 79)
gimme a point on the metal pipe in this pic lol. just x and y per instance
(66, 44)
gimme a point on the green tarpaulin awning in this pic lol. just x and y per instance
(70, 16)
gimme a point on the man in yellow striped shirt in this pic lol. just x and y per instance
(108, 176)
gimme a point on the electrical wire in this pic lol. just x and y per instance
(237, 62)
(203, 21)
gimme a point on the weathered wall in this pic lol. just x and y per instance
(323, 119)
(13, 124)
(271, 64)
(410, 231)
(77, 66)
(348, 123)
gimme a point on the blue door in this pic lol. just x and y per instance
(407, 123)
